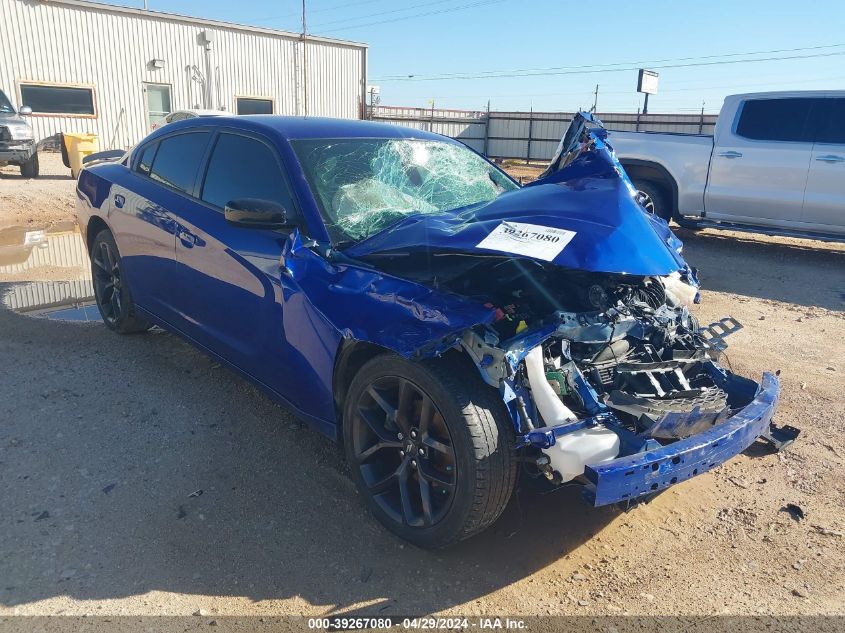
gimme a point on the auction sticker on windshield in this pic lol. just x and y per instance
(531, 240)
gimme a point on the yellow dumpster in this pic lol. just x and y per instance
(78, 146)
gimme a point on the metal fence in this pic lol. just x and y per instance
(529, 135)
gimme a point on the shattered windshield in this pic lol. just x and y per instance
(364, 185)
(5, 105)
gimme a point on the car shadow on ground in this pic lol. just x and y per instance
(136, 464)
(805, 273)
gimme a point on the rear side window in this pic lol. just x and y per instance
(242, 167)
(776, 120)
(145, 162)
(832, 122)
(177, 160)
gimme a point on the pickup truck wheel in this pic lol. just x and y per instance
(114, 299)
(30, 168)
(429, 447)
(653, 199)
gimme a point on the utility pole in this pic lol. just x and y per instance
(595, 99)
(645, 104)
(304, 59)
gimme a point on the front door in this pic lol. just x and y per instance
(824, 200)
(158, 102)
(758, 170)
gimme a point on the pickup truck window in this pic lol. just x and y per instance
(776, 120)
(5, 105)
(833, 127)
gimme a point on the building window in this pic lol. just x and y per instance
(253, 105)
(158, 104)
(58, 99)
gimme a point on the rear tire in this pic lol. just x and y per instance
(114, 299)
(440, 433)
(31, 169)
(653, 199)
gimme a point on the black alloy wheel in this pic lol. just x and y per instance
(404, 452)
(114, 300)
(430, 447)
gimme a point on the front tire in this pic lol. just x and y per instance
(31, 169)
(429, 447)
(114, 299)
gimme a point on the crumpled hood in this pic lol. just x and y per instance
(583, 216)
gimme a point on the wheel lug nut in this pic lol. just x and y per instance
(413, 463)
(413, 434)
(400, 436)
(402, 453)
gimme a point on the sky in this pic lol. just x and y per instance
(549, 55)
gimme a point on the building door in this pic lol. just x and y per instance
(158, 104)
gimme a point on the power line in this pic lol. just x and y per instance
(335, 7)
(606, 68)
(418, 15)
(380, 13)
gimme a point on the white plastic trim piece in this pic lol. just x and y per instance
(548, 403)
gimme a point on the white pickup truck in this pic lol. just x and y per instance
(776, 164)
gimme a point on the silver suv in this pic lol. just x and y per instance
(17, 142)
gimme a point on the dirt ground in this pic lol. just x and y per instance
(138, 477)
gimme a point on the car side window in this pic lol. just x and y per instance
(145, 162)
(178, 159)
(832, 125)
(776, 120)
(243, 167)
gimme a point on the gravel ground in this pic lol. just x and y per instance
(139, 477)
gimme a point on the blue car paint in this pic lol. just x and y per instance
(612, 232)
(278, 308)
(628, 478)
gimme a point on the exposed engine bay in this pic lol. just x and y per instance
(609, 379)
(615, 342)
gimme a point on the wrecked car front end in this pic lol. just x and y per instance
(570, 300)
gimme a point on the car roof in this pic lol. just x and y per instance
(199, 112)
(292, 128)
(788, 94)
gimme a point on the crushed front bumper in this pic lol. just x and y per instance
(626, 479)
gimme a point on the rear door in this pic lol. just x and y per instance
(162, 178)
(759, 167)
(229, 276)
(824, 200)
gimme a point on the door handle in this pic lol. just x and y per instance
(731, 154)
(119, 201)
(831, 158)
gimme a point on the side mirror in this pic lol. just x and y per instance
(256, 214)
(25, 111)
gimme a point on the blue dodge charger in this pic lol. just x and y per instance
(407, 298)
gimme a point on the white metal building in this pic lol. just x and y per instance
(114, 71)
